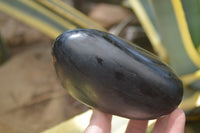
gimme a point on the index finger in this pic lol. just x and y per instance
(172, 123)
(99, 123)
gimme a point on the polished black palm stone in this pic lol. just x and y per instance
(107, 73)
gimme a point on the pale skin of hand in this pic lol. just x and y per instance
(172, 123)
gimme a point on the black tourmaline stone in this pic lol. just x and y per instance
(110, 74)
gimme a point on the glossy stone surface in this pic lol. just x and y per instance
(114, 76)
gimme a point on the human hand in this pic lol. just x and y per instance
(173, 123)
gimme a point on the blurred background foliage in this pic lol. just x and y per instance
(3, 51)
(169, 29)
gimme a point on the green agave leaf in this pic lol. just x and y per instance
(192, 15)
(189, 28)
(177, 24)
(175, 38)
(165, 16)
(52, 17)
(146, 15)
(69, 13)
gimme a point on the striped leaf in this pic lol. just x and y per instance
(51, 17)
(175, 23)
